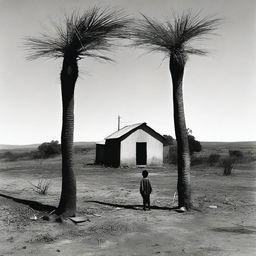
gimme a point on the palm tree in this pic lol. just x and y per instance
(82, 36)
(174, 40)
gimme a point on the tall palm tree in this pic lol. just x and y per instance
(174, 40)
(82, 36)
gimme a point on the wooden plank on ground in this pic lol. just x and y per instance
(79, 219)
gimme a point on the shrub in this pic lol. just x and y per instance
(9, 156)
(197, 160)
(49, 149)
(35, 154)
(228, 164)
(172, 156)
(236, 154)
(169, 140)
(213, 159)
(194, 145)
(249, 156)
(14, 156)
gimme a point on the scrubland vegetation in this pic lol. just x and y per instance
(109, 198)
(222, 155)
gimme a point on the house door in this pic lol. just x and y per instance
(141, 153)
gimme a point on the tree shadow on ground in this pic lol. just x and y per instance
(33, 204)
(133, 207)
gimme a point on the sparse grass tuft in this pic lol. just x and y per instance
(42, 187)
(43, 238)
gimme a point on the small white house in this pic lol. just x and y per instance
(133, 145)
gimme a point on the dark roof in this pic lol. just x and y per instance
(129, 129)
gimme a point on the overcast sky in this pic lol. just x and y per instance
(219, 89)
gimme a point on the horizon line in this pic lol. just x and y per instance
(95, 141)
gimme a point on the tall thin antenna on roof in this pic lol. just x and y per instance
(118, 120)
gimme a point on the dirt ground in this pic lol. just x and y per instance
(116, 224)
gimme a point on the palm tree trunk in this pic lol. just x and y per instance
(69, 74)
(183, 185)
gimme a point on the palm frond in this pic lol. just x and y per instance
(153, 35)
(191, 27)
(173, 38)
(88, 35)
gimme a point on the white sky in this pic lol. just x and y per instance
(219, 89)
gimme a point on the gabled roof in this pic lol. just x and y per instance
(129, 129)
(123, 131)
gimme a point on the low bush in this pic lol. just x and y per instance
(36, 154)
(197, 160)
(213, 159)
(172, 156)
(249, 156)
(15, 156)
(194, 145)
(228, 164)
(10, 156)
(236, 154)
(49, 149)
(169, 140)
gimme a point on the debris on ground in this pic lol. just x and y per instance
(181, 209)
(33, 217)
(96, 215)
(79, 219)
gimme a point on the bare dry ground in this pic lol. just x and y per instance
(116, 224)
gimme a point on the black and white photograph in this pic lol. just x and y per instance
(127, 127)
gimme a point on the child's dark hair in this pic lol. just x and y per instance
(145, 174)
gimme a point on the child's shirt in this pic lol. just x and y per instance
(145, 186)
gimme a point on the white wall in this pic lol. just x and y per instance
(128, 149)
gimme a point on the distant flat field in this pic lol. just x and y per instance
(241, 145)
(222, 222)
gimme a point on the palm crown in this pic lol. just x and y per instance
(174, 39)
(82, 35)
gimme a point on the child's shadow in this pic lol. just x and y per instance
(133, 207)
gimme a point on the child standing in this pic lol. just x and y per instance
(145, 190)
